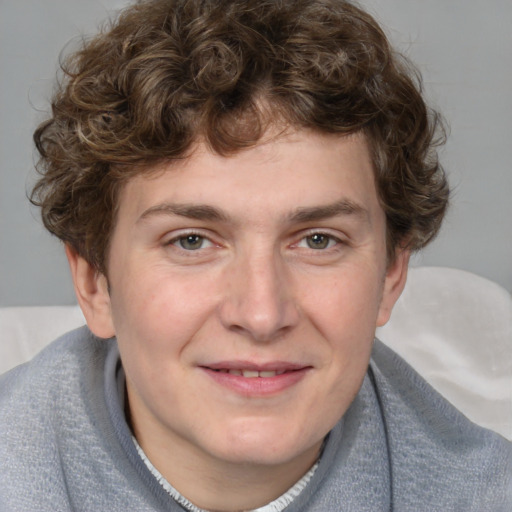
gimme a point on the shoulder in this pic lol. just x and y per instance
(435, 450)
(60, 363)
(47, 409)
(31, 393)
(403, 391)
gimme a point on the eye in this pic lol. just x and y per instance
(318, 241)
(191, 242)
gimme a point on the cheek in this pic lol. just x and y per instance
(346, 306)
(159, 310)
(346, 317)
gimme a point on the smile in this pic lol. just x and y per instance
(253, 374)
(256, 381)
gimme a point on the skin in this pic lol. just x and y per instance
(273, 256)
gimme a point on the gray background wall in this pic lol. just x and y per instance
(463, 47)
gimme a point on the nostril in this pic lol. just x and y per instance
(257, 304)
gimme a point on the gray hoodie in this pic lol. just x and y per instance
(65, 444)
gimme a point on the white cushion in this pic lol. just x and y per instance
(453, 327)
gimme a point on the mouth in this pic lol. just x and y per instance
(256, 380)
(252, 374)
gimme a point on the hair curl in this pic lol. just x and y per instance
(167, 73)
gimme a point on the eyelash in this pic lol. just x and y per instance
(332, 241)
(176, 241)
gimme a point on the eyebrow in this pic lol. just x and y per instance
(339, 208)
(302, 214)
(190, 211)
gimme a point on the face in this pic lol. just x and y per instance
(244, 292)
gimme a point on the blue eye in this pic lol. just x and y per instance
(192, 242)
(318, 241)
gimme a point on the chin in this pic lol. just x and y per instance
(264, 443)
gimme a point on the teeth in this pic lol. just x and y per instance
(250, 374)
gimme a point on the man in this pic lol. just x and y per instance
(239, 185)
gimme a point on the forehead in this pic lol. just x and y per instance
(301, 169)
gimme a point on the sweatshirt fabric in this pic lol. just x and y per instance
(65, 444)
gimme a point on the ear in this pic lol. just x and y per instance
(396, 276)
(91, 288)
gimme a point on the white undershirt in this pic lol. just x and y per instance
(275, 506)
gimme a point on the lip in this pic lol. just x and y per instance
(287, 375)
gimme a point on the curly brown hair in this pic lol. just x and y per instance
(167, 73)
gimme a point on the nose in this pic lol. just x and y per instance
(258, 299)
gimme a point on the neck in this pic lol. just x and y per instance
(217, 485)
